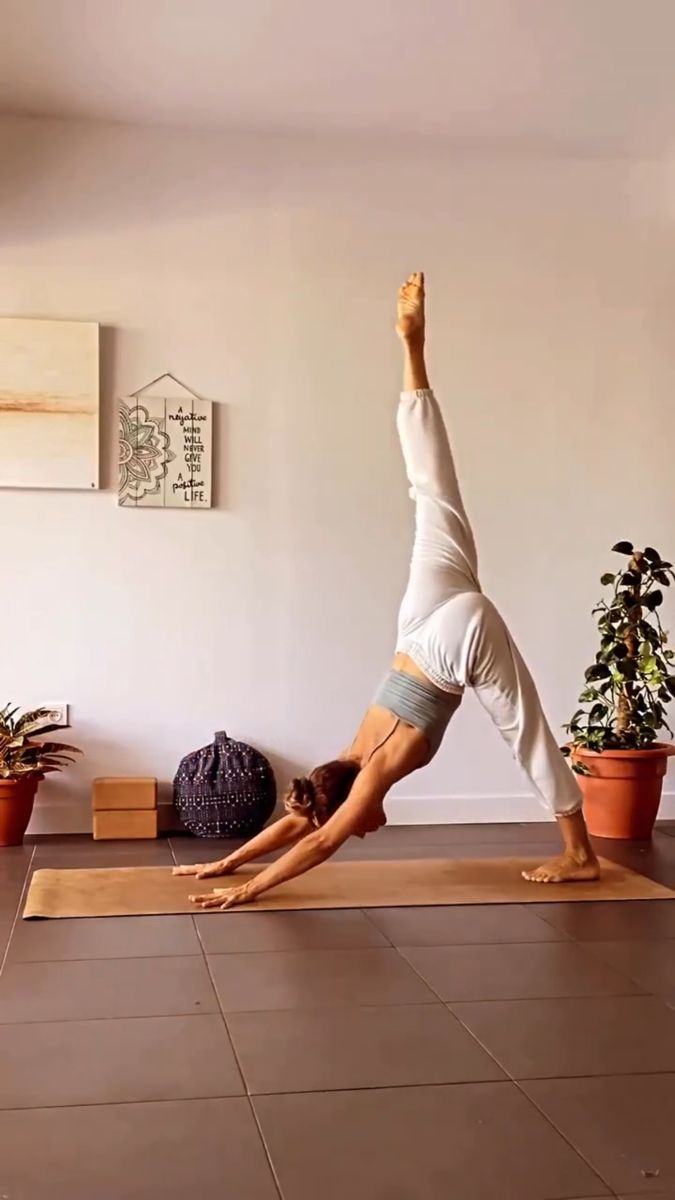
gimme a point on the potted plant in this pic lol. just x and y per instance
(614, 738)
(23, 763)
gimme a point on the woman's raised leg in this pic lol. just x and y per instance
(444, 553)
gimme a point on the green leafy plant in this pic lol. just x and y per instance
(631, 681)
(20, 754)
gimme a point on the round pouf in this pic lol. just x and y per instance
(226, 789)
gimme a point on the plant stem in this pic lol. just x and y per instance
(625, 704)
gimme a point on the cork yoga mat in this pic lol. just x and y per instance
(141, 891)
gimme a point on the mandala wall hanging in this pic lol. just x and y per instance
(165, 447)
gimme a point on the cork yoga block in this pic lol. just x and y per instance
(141, 823)
(124, 793)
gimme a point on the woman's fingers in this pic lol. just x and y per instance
(222, 899)
(210, 900)
(201, 870)
(209, 870)
(240, 895)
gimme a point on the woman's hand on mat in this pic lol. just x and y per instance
(225, 866)
(239, 895)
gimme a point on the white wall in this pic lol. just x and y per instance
(263, 274)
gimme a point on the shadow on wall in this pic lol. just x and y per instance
(68, 177)
(108, 411)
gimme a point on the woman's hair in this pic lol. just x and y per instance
(319, 794)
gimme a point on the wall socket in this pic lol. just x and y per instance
(58, 714)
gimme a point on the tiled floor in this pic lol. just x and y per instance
(477, 1053)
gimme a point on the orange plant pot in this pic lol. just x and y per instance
(16, 806)
(622, 793)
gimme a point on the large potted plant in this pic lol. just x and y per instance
(24, 761)
(614, 738)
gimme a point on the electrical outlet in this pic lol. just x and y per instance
(58, 714)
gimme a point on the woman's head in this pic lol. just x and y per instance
(319, 794)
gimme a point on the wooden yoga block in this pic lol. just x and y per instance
(121, 793)
(141, 823)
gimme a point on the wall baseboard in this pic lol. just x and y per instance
(74, 817)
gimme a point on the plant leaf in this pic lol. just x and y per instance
(623, 548)
(652, 600)
(597, 671)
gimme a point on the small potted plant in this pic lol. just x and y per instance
(24, 761)
(614, 738)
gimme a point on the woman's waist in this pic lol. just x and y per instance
(406, 665)
(414, 698)
(420, 664)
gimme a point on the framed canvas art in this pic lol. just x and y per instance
(49, 403)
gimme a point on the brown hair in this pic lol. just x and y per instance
(319, 794)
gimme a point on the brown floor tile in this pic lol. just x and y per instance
(173, 1150)
(250, 931)
(650, 964)
(318, 1050)
(103, 937)
(315, 979)
(622, 1126)
(478, 1141)
(6, 924)
(120, 987)
(467, 924)
(656, 859)
(78, 843)
(105, 1062)
(15, 861)
(516, 972)
(88, 853)
(598, 921)
(10, 896)
(535, 1039)
(202, 850)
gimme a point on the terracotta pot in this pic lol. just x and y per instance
(623, 791)
(16, 806)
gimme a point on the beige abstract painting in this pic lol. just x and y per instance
(49, 403)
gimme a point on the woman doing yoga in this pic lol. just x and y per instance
(450, 637)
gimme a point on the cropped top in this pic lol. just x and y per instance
(418, 704)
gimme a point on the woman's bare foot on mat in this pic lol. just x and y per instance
(566, 868)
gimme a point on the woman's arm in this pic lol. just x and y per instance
(369, 789)
(283, 832)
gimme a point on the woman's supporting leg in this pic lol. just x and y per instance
(444, 552)
(506, 690)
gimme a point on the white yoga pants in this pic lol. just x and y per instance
(449, 628)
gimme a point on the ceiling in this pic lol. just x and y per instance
(581, 75)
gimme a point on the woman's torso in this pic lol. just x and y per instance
(398, 746)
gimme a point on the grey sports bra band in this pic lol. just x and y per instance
(419, 704)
